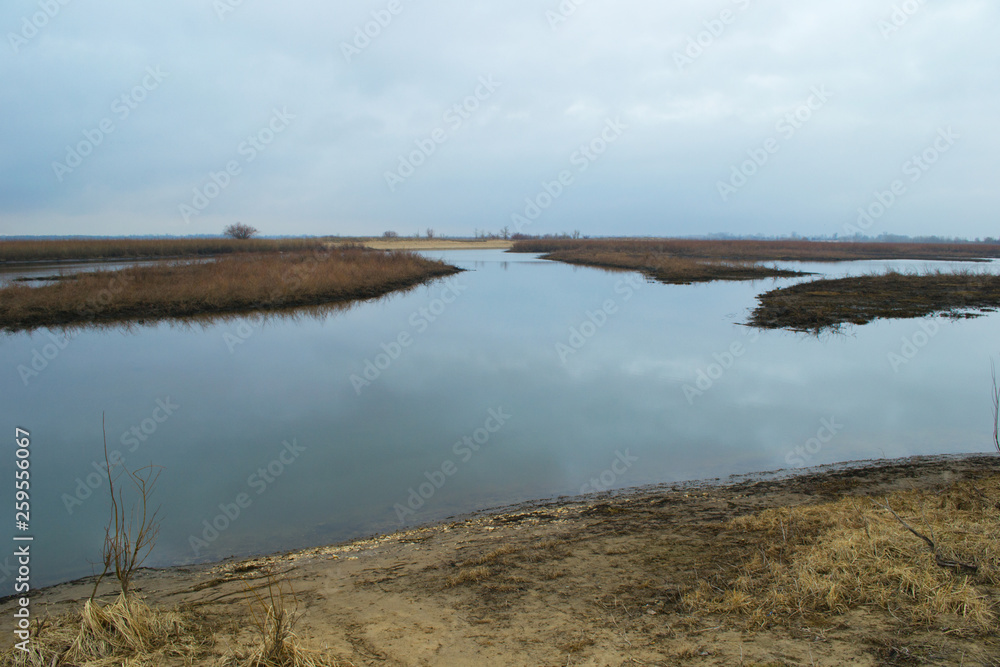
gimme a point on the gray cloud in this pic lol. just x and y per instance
(693, 113)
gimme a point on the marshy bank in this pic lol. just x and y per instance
(760, 251)
(830, 303)
(810, 569)
(241, 282)
(111, 249)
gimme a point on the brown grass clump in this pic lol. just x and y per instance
(830, 303)
(275, 643)
(759, 251)
(232, 284)
(854, 552)
(125, 632)
(104, 249)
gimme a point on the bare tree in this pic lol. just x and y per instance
(505, 233)
(132, 530)
(430, 233)
(240, 231)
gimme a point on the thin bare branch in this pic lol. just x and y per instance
(942, 562)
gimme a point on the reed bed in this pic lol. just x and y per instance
(759, 251)
(852, 553)
(106, 249)
(668, 268)
(831, 303)
(232, 284)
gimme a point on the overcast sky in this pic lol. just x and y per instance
(736, 116)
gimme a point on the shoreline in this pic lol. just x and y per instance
(580, 580)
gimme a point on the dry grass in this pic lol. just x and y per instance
(125, 632)
(758, 251)
(667, 261)
(273, 622)
(839, 556)
(829, 303)
(104, 249)
(232, 284)
(669, 269)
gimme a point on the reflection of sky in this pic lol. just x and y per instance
(494, 347)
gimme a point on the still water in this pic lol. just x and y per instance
(518, 379)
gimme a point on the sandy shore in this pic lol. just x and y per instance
(589, 581)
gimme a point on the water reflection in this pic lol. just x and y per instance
(264, 406)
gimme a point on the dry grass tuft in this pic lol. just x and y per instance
(125, 628)
(125, 632)
(852, 553)
(471, 575)
(276, 644)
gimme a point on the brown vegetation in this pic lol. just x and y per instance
(829, 303)
(232, 284)
(669, 269)
(106, 249)
(759, 251)
(861, 552)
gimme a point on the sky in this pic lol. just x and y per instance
(630, 117)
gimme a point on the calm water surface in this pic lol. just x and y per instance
(519, 379)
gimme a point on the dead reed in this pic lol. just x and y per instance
(759, 251)
(106, 249)
(232, 284)
(671, 269)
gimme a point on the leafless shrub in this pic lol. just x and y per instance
(240, 231)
